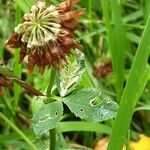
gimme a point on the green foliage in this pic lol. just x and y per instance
(139, 74)
(88, 104)
(24, 5)
(47, 117)
(38, 103)
(83, 126)
(69, 76)
(83, 103)
(109, 29)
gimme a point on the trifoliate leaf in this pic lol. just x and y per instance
(38, 103)
(86, 82)
(83, 103)
(69, 76)
(47, 117)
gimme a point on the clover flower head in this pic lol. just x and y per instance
(46, 34)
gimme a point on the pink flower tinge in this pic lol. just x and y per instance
(46, 34)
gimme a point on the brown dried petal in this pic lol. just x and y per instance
(56, 54)
(70, 19)
(72, 15)
(32, 61)
(69, 42)
(71, 2)
(66, 6)
(23, 52)
(78, 46)
(14, 41)
(48, 56)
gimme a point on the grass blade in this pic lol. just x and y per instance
(1, 51)
(71, 126)
(22, 5)
(146, 9)
(18, 131)
(17, 66)
(138, 75)
(120, 47)
(117, 49)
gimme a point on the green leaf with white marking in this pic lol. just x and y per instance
(91, 105)
(47, 117)
(38, 103)
(69, 76)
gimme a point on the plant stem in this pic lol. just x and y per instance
(52, 139)
(52, 132)
(18, 131)
(128, 141)
(90, 13)
(1, 51)
(17, 65)
(51, 82)
(26, 86)
(8, 106)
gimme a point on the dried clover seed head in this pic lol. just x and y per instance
(46, 34)
(103, 68)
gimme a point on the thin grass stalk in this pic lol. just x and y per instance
(128, 140)
(146, 9)
(52, 132)
(22, 5)
(1, 51)
(17, 66)
(24, 137)
(90, 13)
(116, 33)
(121, 45)
(30, 2)
(88, 136)
(136, 82)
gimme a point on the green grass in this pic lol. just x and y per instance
(117, 29)
(24, 137)
(117, 49)
(139, 75)
(17, 66)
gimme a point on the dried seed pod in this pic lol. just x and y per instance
(103, 69)
(46, 35)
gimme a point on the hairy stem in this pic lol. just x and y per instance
(26, 86)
